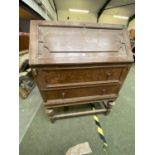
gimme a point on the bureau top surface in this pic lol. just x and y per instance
(73, 43)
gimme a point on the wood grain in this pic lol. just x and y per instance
(78, 63)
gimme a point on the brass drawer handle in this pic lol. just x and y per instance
(63, 95)
(109, 74)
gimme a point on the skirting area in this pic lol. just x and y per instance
(40, 137)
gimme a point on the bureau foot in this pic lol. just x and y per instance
(108, 105)
(50, 113)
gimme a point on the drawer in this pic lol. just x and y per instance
(83, 91)
(49, 78)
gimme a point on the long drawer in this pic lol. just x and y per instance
(49, 78)
(81, 91)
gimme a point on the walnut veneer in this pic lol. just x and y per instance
(78, 63)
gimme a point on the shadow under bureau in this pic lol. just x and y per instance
(79, 63)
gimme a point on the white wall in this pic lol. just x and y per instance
(109, 19)
(107, 16)
(81, 17)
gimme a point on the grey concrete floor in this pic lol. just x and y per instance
(39, 136)
(27, 110)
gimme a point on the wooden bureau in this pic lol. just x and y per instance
(79, 63)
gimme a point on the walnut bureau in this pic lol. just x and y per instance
(78, 63)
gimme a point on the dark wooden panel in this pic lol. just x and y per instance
(60, 77)
(59, 40)
(23, 41)
(81, 91)
(72, 43)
